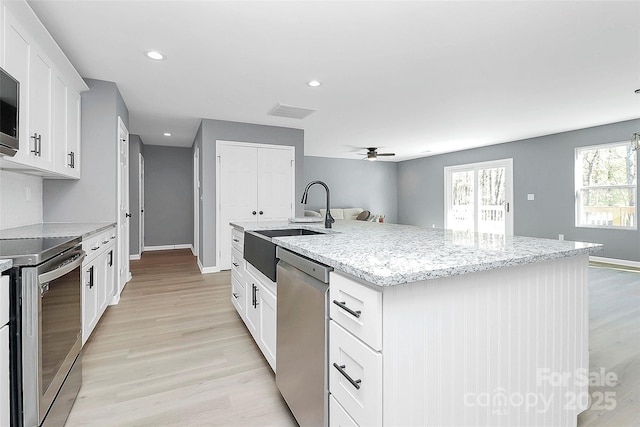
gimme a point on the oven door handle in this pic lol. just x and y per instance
(63, 268)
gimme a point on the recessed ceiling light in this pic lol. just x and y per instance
(167, 134)
(314, 83)
(154, 54)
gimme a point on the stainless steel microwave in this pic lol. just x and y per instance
(9, 114)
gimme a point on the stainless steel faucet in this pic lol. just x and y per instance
(328, 220)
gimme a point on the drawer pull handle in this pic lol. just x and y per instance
(235, 295)
(342, 305)
(235, 264)
(236, 240)
(340, 368)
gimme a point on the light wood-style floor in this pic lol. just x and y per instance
(174, 352)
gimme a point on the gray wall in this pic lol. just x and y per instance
(354, 184)
(543, 166)
(93, 197)
(168, 195)
(212, 130)
(136, 147)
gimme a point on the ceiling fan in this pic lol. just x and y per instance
(372, 154)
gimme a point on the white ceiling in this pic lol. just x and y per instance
(417, 78)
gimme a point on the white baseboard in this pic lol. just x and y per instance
(622, 262)
(207, 270)
(168, 247)
(134, 257)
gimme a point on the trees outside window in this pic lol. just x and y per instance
(606, 186)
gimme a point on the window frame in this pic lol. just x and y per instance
(579, 187)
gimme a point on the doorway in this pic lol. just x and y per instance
(479, 197)
(123, 206)
(141, 203)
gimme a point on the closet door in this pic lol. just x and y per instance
(238, 192)
(275, 183)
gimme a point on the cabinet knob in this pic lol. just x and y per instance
(128, 215)
(261, 212)
(253, 213)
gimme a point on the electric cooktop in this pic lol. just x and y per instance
(34, 251)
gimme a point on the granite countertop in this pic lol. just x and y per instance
(5, 264)
(55, 229)
(391, 254)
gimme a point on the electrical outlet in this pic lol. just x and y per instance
(560, 236)
(531, 196)
(28, 194)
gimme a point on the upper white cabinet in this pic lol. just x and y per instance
(49, 122)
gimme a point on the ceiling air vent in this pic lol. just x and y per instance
(290, 111)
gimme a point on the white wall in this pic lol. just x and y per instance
(20, 199)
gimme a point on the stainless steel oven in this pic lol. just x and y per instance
(47, 333)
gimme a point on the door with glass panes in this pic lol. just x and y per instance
(478, 197)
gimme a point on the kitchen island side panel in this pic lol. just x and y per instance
(497, 348)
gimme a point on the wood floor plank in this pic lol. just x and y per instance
(174, 352)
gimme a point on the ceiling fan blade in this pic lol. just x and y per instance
(386, 154)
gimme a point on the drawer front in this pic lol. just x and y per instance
(350, 358)
(237, 264)
(237, 240)
(238, 296)
(4, 300)
(338, 417)
(357, 308)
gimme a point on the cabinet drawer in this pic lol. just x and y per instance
(351, 358)
(338, 417)
(238, 296)
(357, 308)
(237, 263)
(237, 240)
(4, 300)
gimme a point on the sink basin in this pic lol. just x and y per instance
(260, 251)
(287, 232)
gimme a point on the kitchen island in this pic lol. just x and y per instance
(454, 328)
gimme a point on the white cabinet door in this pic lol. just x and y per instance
(72, 152)
(40, 84)
(66, 127)
(251, 287)
(110, 278)
(275, 184)
(267, 336)
(89, 298)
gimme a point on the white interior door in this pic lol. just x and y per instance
(196, 202)
(237, 193)
(275, 183)
(123, 205)
(141, 204)
(478, 197)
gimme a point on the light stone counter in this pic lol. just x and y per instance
(55, 229)
(391, 254)
(5, 264)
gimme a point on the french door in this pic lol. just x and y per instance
(479, 197)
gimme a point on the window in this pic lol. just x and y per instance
(606, 186)
(478, 196)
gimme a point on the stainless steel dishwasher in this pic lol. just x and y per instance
(302, 336)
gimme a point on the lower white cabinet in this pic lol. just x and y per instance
(98, 279)
(261, 306)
